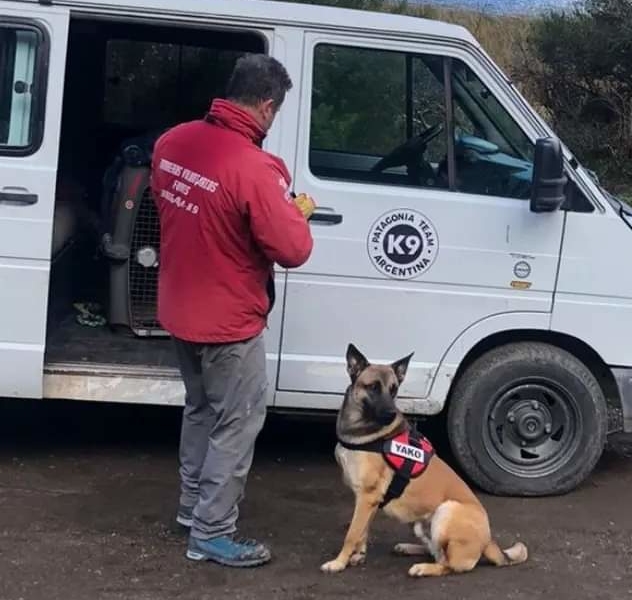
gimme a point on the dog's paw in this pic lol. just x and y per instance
(359, 558)
(420, 570)
(333, 566)
(428, 570)
(409, 549)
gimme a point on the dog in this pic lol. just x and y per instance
(387, 468)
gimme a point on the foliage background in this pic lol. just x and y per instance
(574, 65)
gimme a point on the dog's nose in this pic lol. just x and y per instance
(386, 416)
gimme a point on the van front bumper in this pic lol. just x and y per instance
(623, 377)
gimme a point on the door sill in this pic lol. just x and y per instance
(100, 382)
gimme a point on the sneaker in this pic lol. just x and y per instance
(185, 516)
(229, 550)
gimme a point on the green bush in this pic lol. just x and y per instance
(579, 67)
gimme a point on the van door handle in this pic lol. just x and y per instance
(18, 199)
(329, 218)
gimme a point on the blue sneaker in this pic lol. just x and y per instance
(228, 550)
(185, 516)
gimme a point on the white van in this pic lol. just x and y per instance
(451, 224)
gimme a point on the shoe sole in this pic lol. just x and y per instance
(199, 557)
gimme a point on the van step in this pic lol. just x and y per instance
(113, 383)
(111, 369)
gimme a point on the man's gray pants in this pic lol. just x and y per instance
(225, 409)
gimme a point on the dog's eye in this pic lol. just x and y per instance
(393, 390)
(376, 386)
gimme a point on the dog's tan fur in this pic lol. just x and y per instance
(449, 520)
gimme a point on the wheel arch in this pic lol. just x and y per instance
(578, 348)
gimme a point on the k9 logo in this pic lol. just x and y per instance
(402, 244)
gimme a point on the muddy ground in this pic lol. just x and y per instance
(88, 494)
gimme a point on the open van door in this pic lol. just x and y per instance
(33, 42)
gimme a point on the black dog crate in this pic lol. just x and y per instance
(133, 249)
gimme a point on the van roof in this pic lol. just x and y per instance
(287, 13)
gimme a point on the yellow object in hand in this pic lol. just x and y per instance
(305, 204)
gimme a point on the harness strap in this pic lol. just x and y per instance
(395, 489)
(376, 446)
(402, 474)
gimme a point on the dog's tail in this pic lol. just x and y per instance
(515, 555)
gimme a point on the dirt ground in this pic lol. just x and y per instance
(88, 494)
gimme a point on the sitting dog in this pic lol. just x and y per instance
(388, 466)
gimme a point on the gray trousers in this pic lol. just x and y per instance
(225, 409)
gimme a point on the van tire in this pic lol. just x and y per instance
(495, 427)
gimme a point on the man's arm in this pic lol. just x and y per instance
(277, 224)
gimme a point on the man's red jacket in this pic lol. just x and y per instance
(226, 216)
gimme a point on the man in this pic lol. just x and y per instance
(226, 216)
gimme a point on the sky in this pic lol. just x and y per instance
(501, 6)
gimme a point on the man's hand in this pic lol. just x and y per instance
(305, 204)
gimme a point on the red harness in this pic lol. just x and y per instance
(408, 454)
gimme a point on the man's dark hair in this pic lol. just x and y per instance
(257, 78)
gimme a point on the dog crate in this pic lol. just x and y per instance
(133, 249)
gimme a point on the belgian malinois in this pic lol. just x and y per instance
(388, 466)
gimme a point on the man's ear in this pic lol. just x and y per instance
(401, 367)
(356, 362)
(269, 104)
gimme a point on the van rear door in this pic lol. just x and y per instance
(32, 61)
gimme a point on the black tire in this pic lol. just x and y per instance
(503, 433)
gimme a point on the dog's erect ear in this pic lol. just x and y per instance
(356, 362)
(401, 367)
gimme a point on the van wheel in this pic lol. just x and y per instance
(527, 419)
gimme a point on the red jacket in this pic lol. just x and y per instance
(226, 216)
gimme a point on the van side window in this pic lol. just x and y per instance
(384, 117)
(19, 106)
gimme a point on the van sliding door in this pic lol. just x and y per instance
(32, 61)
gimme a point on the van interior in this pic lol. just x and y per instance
(125, 83)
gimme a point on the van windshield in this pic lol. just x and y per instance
(488, 115)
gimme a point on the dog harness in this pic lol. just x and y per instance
(408, 454)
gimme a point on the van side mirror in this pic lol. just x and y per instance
(549, 181)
